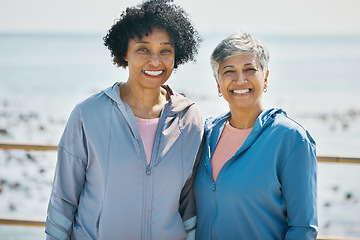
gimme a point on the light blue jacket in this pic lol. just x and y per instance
(267, 190)
(103, 187)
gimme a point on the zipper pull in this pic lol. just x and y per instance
(148, 170)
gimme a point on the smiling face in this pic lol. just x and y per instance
(241, 82)
(150, 59)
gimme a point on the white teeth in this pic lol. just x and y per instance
(241, 91)
(153, 73)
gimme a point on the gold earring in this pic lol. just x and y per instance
(265, 87)
(219, 92)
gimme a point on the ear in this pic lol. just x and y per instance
(218, 85)
(266, 76)
(125, 57)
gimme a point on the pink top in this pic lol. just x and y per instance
(148, 129)
(230, 141)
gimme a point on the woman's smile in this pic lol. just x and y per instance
(241, 81)
(150, 59)
(153, 73)
(241, 91)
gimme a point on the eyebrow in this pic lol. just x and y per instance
(167, 43)
(231, 66)
(141, 42)
(228, 66)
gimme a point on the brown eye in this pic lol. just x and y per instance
(228, 72)
(250, 70)
(143, 50)
(166, 51)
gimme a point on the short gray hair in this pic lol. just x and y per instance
(239, 44)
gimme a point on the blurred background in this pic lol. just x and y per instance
(52, 57)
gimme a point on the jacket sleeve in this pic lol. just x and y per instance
(68, 181)
(299, 187)
(187, 207)
(193, 130)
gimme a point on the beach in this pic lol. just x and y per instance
(314, 79)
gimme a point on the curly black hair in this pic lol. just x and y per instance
(138, 21)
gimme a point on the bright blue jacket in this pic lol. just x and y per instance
(267, 190)
(104, 188)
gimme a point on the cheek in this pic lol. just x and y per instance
(223, 83)
(136, 60)
(172, 59)
(170, 63)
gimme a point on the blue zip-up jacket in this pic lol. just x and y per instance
(103, 187)
(267, 190)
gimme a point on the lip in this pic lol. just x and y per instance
(153, 73)
(241, 92)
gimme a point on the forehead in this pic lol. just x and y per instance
(156, 35)
(242, 60)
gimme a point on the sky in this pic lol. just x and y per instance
(254, 16)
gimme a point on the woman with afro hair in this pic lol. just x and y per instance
(125, 159)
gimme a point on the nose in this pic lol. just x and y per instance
(240, 77)
(155, 59)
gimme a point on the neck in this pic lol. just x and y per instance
(145, 103)
(244, 118)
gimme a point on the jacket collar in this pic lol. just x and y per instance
(265, 118)
(177, 103)
(215, 126)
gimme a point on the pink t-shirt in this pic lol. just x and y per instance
(148, 129)
(230, 141)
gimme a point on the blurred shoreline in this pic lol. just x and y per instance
(26, 176)
(43, 76)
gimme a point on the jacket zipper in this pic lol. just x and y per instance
(215, 211)
(148, 200)
(148, 178)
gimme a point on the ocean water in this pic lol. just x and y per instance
(43, 76)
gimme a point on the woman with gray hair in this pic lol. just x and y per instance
(257, 176)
